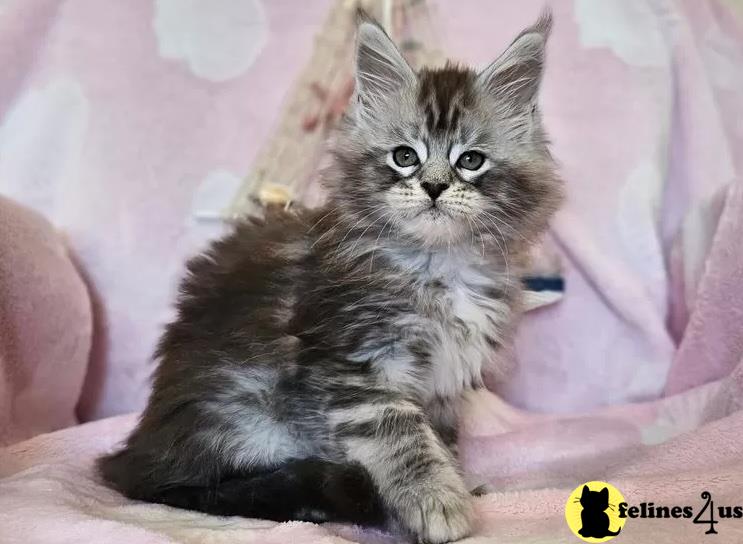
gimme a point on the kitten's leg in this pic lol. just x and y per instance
(414, 472)
(444, 413)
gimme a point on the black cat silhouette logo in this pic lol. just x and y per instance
(592, 514)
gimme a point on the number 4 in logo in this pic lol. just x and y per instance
(709, 505)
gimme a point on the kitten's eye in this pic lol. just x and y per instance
(470, 160)
(405, 156)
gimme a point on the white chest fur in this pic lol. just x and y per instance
(456, 297)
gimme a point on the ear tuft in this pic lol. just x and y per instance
(515, 76)
(381, 70)
(362, 16)
(543, 25)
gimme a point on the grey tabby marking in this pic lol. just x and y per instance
(318, 360)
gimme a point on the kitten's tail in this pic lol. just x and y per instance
(299, 489)
(612, 533)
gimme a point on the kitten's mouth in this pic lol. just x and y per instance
(434, 226)
(433, 211)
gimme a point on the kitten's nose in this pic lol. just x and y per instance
(434, 189)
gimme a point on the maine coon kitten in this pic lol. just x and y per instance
(317, 362)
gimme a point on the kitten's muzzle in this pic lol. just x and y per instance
(434, 190)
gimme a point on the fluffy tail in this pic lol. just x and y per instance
(300, 489)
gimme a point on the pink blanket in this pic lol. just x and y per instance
(120, 132)
(45, 327)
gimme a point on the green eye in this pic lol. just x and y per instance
(470, 160)
(405, 156)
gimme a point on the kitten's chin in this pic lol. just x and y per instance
(434, 227)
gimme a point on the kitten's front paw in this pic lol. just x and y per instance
(438, 514)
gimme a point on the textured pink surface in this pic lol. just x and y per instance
(714, 337)
(45, 327)
(122, 120)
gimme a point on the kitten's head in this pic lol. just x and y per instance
(594, 500)
(445, 156)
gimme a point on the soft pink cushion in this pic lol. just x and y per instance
(45, 327)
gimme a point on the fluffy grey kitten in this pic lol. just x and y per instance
(316, 366)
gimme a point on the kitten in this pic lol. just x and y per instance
(317, 362)
(594, 519)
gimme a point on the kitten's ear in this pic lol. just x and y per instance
(380, 68)
(586, 491)
(516, 74)
(605, 493)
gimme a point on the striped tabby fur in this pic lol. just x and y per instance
(316, 367)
